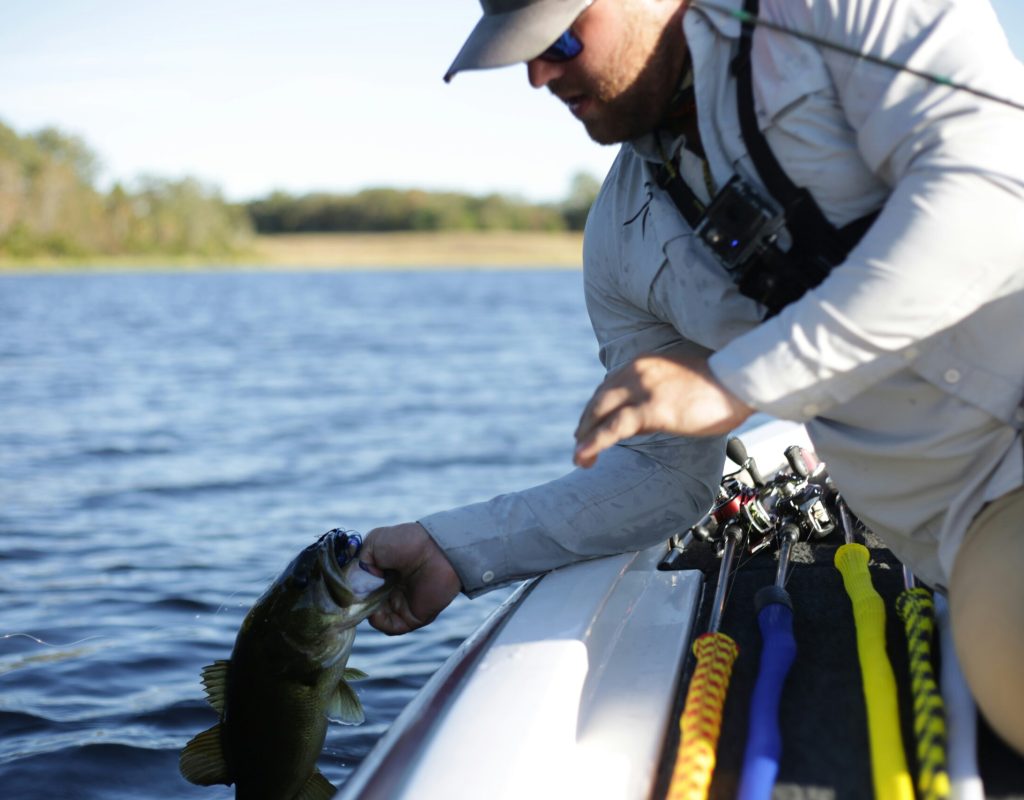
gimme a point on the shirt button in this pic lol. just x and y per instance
(951, 375)
(809, 410)
(487, 577)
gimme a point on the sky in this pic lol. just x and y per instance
(253, 96)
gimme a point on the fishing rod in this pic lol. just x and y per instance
(961, 715)
(801, 514)
(716, 652)
(888, 762)
(775, 619)
(914, 606)
(701, 721)
(746, 18)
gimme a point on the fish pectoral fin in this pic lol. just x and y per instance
(353, 674)
(316, 788)
(202, 761)
(215, 678)
(345, 706)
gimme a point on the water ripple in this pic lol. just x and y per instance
(169, 442)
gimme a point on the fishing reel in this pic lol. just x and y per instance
(754, 512)
(740, 506)
(736, 503)
(803, 497)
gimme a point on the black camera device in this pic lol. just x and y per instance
(738, 226)
(741, 230)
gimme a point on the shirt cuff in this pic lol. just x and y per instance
(635, 496)
(480, 562)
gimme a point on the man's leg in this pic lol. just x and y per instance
(986, 602)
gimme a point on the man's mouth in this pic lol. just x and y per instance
(577, 104)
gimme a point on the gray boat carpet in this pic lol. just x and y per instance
(823, 719)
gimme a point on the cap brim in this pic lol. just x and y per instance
(499, 40)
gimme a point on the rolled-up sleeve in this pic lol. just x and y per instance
(950, 238)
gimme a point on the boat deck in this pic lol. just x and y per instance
(822, 716)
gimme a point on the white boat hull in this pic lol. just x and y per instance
(566, 691)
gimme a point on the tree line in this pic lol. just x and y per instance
(50, 205)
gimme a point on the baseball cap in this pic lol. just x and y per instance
(511, 31)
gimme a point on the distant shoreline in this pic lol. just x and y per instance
(403, 250)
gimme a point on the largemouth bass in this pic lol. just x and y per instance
(287, 676)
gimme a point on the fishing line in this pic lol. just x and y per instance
(941, 80)
(743, 557)
(37, 640)
(223, 607)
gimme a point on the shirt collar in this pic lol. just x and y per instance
(724, 23)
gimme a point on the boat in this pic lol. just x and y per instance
(574, 686)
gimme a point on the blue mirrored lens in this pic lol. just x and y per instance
(567, 46)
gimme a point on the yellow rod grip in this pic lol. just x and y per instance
(889, 772)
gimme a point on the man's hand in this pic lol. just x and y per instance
(671, 392)
(426, 581)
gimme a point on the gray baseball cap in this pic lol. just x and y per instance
(511, 31)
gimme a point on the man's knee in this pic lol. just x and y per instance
(986, 600)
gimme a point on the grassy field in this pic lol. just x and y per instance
(502, 249)
(451, 249)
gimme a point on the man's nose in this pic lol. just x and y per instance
(541, 72)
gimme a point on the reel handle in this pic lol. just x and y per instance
(795, 457)
(737, 452)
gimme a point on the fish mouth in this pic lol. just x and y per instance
(349, 580)
(345, 546)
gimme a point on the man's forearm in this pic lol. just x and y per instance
(635, 496)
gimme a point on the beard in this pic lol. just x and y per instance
(634, 91)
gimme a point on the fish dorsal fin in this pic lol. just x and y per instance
(345, 707)
(215, 679)
(316, 788)
(202, 761)
(353, 674)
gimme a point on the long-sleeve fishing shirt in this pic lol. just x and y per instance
(906, 363)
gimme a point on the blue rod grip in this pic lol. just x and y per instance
(764, 742)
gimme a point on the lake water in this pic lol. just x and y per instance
(168, 442)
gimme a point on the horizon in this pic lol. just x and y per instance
(252, 98)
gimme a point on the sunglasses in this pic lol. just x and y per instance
(565, 48)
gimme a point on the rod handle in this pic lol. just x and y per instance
(701, 721)
(888, 763)
(961, 715)
(914, 607)
(764, 741)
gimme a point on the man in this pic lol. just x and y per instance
(905, 362)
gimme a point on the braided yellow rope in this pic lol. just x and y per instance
(888, 764)
(914, 607)
(701, 722)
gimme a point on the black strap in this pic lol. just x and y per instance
(774, 278)
(816, 242)
(684, 198)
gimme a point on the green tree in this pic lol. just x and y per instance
(583, 189)
(49, 205)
